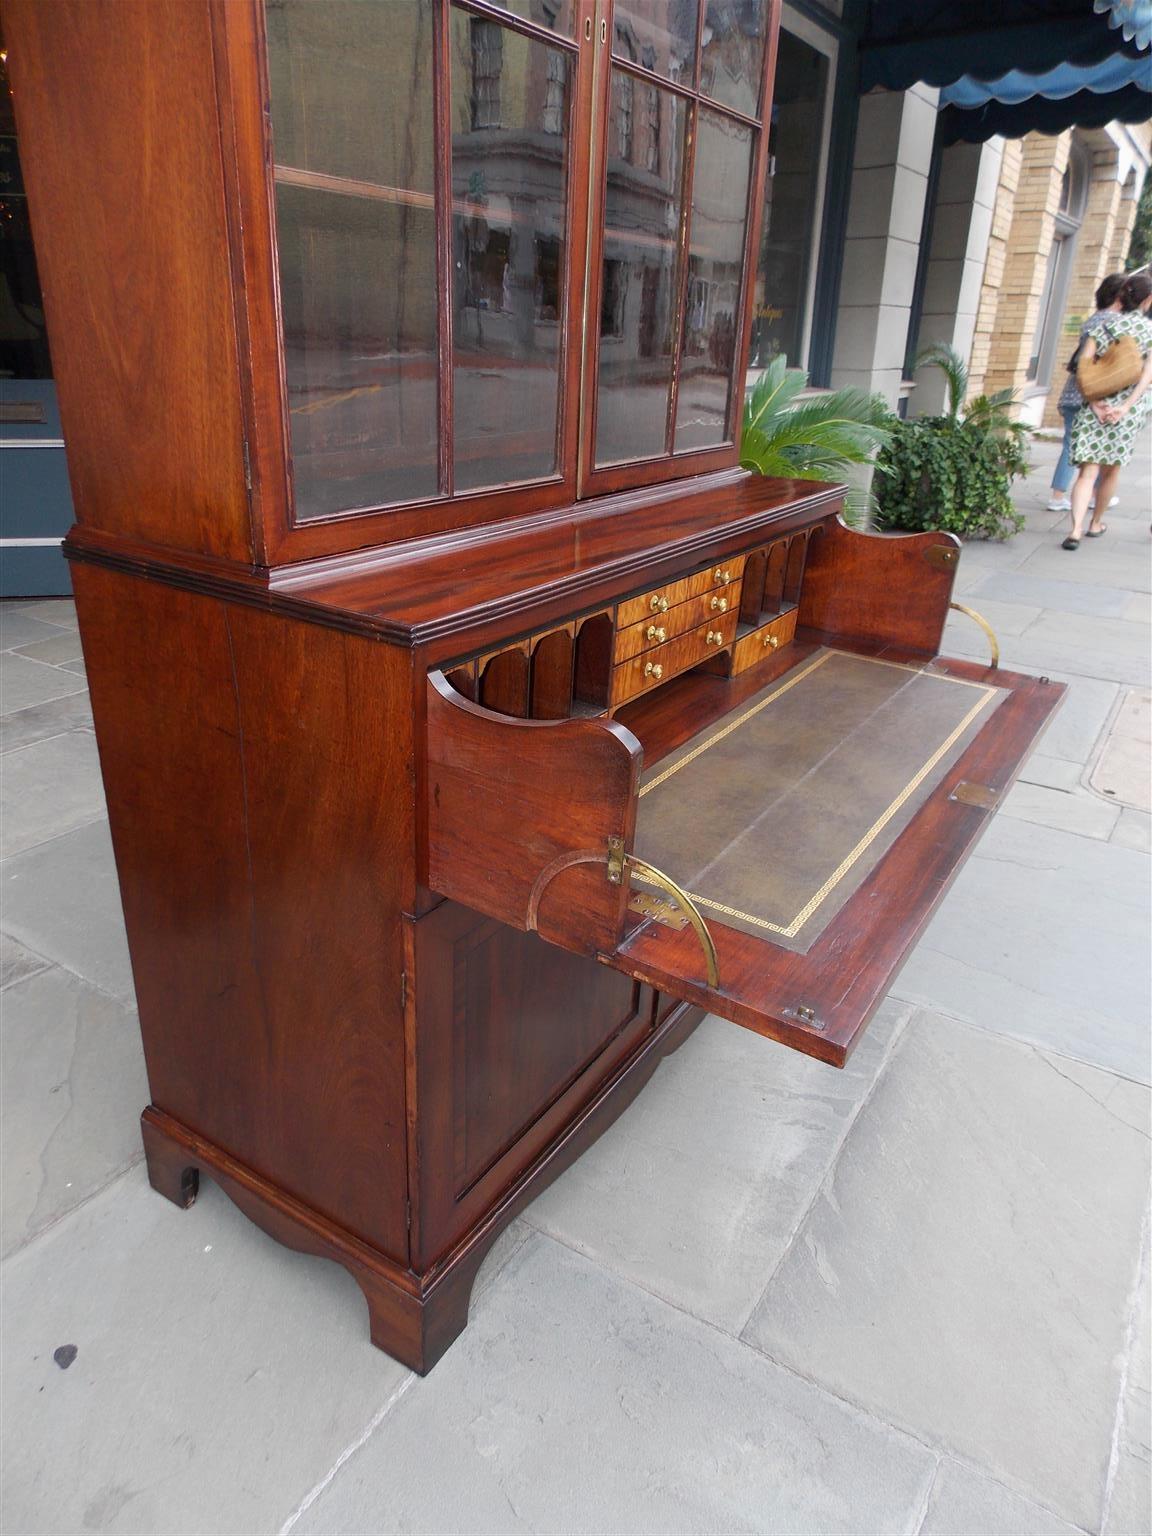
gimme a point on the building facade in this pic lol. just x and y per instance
(905, 203)
(890, 225)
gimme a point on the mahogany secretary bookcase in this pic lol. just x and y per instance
(470, 722)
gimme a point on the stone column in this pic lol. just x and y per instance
(886, 209)
(961, 231)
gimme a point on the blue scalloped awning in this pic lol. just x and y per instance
(1085, 109)
(943, 41)
(1118, 89)
(1133, 17)
(1055, 84)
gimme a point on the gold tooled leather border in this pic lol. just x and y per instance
(792, 929)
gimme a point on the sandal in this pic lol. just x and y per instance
(1097, 533)
(1070, 543)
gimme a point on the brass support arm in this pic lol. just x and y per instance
(985, 626)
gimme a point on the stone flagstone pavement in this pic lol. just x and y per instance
(909, 1297)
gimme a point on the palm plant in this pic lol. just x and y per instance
(988, 413)
(819, 438)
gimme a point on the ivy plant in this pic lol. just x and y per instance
(954, 472)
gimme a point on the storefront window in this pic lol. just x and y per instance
(793, 198)
(1050, 320)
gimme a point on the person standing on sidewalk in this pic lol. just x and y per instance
(1107, 303)
(1104, 433)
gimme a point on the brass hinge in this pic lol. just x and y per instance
(677, 899)
(615, 860)
(403, 990)
(659, 909)
(980, 795)
(247, 468)
(408, 1214)
(942, 556)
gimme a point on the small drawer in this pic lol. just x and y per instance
(761, 642)
(659, 628)
(662, 599)
(656, 666)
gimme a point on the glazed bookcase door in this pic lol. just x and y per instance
(683, 88)
(491, 254)
(427, 214)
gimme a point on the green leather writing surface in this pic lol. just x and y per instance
(772, 817)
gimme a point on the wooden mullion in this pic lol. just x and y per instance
(581, 201)
(442, 127)
(533, 29)
(718, 109)
(600, 96)
(686, 93)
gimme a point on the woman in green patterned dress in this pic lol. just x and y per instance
(1104, 432)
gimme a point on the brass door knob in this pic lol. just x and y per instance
(721, 575)
(715, 637)
(653, 669)
(719, 605)
(659, 605)
(658, 635)
(772, 640)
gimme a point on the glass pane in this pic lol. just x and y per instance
(720, 180)
(640, 271)
(353, 142)
(510, 251)
(791, 201)
(556, 15)
(659, 35)
(23, 332)
(732, 57)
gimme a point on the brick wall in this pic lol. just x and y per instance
(994, 264)
(1022, 230)
(1028, 246)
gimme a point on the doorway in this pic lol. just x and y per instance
(35, 497)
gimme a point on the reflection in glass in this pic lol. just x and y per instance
(556, 15)
(791, 204)
(639, 277)
(732, 56)
(715, 260)
(23, 333)
(509, 248)
(352, 133)
(659, 35)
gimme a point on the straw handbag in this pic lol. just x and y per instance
(1110, 372)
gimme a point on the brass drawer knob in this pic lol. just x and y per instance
(772, 640)
(715, 637)
(719, 605)
(659, 604)
(653, 669)
(722, 576)
(658, 635)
